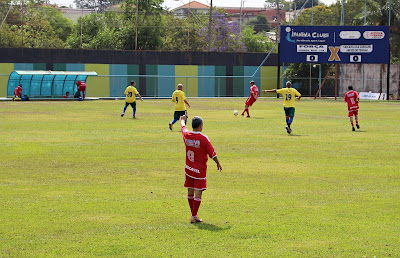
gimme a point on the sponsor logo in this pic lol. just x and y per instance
(195, 170)
(356, 48)
(192, 143)
(312, 48)
(374, 34)
(350, 34)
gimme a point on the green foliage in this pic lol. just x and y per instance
(260, 23)
(35, 26)
(91, 183)
(323, 16)
(256, 42)
(8, 38)
(299, 3)
(299, 72)
(61, 25)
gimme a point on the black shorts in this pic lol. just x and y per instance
(178, 114)
(289, 111)
(133, 104)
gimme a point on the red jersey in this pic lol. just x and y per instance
(351, 98)
(81, 86)
(18, 91)
(198, 149)
(254, 90)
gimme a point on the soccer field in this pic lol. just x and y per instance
(77, 180)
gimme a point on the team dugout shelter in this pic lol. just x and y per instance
(46, 84)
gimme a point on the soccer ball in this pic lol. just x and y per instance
(235, 112)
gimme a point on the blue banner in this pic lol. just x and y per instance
(334, 44)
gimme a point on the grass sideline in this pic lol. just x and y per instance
(78, 180)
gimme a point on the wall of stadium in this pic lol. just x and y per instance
(156, 73)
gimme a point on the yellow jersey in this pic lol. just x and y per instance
(178, 97)
(130, 94)
(289, 96)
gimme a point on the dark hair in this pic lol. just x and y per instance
(350, 87)
(196, 122)
(67, 92)
(133, 82)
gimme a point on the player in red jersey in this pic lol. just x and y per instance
(251, 99)
(81, 88)
(351, 97)
(198, 149)
(18, 91)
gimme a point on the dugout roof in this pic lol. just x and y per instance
(53, 84)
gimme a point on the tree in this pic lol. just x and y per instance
(256, 42)
(225, 35)
(99, 5)
(323, 16)
(260, 23)
(299, 3)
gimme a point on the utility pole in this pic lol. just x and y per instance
(278, 27)
(209, 28)
(137, 14)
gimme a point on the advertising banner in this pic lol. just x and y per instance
(334, 44)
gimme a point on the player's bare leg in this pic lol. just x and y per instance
(246, 109)
(352, 123)
(196, 205)
(356, 117)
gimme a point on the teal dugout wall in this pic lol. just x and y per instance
(45, 83)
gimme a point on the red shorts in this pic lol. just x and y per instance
(249, 102)
(197, 184)
(353, 112)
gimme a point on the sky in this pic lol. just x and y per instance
(220, 3)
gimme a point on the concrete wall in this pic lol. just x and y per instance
(372, 77)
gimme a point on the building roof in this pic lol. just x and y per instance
(193, 5)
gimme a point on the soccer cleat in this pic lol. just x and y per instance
(134, 117)
(358, 127)
(248, 116)
(195, 220)
(122, 114)
(170, 127)
(242, 114)
(288, 130)
(353, 129)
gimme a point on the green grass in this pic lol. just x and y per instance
(76, 179)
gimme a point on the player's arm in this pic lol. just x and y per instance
(219, 167)
(183, 120)
(187, 103)
(253, 95)
(140, 97)
(269, 90)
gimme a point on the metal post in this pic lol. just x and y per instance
(319, 79)
(312, 12)
(188, 34)
(5, 17)
(137, 15)
(388, 65)
(209, 28)
(81, 22)
(278, 27)
(310, 80)
(240, 17)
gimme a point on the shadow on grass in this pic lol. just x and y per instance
(210, 227)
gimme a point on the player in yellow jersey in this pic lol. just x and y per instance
(179, 98)
(131, 93)
(289, 94)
